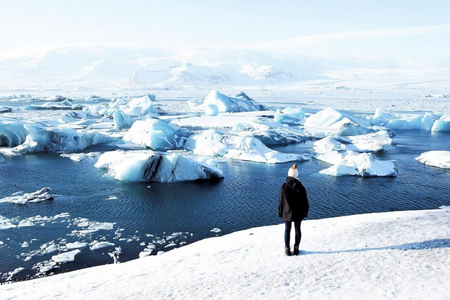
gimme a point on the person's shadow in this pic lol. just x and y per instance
(431, 244)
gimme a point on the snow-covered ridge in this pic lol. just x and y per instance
(354, 257)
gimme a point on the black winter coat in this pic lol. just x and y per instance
(293, 202)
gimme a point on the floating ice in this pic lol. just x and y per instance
(157, 135)
(65, 104)
(214, 143)
(372, 142)
(12, 273)
(12, 133)
(65, 257)
(38, 196)
(408, 121)
(122, 120)
(442, 124)
(41, 138)
(439, 159)
(147, 251)
(76, 245)
(362, 164)
(271, 133)
(98, 245)
(148, 166)
(290, 115)
(215, 230)
(330, 121)
(217, 102)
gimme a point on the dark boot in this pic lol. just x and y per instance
(287, 251)
(296, 251)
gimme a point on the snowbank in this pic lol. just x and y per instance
(399, 255)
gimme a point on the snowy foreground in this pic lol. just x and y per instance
(402, 255)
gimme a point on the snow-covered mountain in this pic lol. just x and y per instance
(137, 67)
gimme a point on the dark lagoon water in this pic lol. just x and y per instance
(169, 215)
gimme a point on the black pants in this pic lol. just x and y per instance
(287, 234)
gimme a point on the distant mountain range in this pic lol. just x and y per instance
(128, 67)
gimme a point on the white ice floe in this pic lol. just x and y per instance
(149, 166)
(217, 102)
(330, 121)
(95, 245)
(370, 256)
(214, 143)
(129, 106)
(271, 133)
(362, 164)
(65, 257)
(290, 115)
(440, 159)
(81, 156)
(38, 196)
(75, 245)
(157, 135)
(371, 142)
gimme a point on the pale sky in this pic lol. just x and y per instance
(348, 27)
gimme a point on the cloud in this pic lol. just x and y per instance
(327, 38)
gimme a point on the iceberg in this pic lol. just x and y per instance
(412, 121)
(157, 135)
(290, 115)
(65, 257)
(271, 133)
(12, 133)
(38, 196)
(214, 143)
(362, 164)
(216, 101)
(95, 245)
(150, 166)
(133, 107)
(442, 124)
(439, 159)
(53, 139)
(371, 142)
(330, 121)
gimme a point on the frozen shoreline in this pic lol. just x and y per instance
(400, 255)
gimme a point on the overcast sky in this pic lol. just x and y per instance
(350, 27)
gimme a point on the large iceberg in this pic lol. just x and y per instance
(157, 134)
(440, 159)
(214, 143)
(217, 102)
(149, 166)
(330, 121)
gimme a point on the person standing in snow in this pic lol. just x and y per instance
(293, 206)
